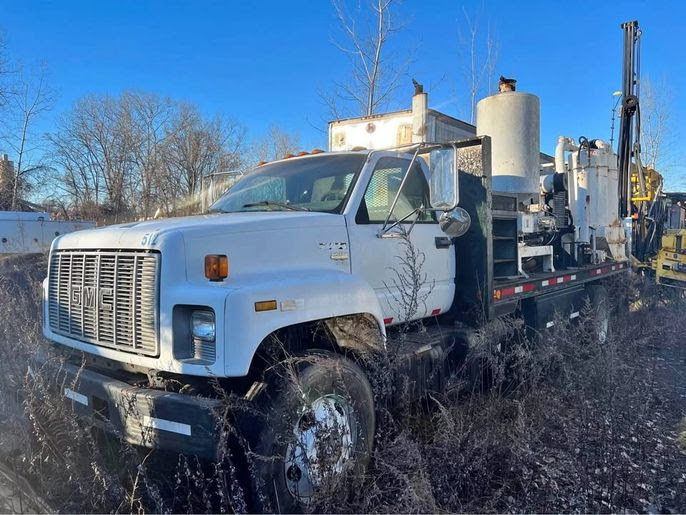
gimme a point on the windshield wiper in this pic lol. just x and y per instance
(278, 204)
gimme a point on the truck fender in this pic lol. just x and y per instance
(291, 298)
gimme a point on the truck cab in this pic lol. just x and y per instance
(304, 239)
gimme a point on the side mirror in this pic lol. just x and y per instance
(455, 223)
(443, 185)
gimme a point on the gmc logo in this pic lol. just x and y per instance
(92, 297)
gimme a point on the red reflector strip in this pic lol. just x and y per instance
(513, 290)
(387, 321)
(524, 288)
(435, 312)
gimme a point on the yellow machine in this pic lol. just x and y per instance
(659, 229)
(670, 263)
(647, 188)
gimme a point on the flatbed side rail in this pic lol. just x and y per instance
(513, 291)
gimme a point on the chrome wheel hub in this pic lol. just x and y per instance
(321, 447)
(603, 324)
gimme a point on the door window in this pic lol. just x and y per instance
(383, 187)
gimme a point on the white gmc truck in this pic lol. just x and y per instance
(308, 251)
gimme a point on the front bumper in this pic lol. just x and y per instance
(145, 417)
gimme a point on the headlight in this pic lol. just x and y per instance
(203, 326)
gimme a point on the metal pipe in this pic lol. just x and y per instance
(397, 195)
(564, 144)
(560, 155)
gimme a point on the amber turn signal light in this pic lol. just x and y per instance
(216, 267)
(265, 305)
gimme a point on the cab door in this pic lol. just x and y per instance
(411, 267)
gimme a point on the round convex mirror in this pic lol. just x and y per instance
(456, 222)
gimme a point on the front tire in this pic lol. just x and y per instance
(318, 428)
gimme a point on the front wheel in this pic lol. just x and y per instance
(318, 428)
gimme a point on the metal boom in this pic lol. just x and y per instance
(628, 141)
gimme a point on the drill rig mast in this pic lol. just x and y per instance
(658, 244)
(630, 117)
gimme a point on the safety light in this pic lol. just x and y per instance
(216, 267)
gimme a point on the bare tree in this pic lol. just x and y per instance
(373, 77)
(5, 72)
(479, 57)
(129, 156)
(197, 149)
(275, 145)
(92, 150)
(27, 99)
(148, 128)
(657, 127)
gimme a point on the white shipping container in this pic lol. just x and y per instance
(32, 233)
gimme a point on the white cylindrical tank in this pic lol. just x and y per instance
(512, 120)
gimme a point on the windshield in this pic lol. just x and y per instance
(319, 183)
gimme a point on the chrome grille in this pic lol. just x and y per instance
(106, 298)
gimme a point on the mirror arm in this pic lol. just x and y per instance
(397, 195)
(384, 232)
(414, 222)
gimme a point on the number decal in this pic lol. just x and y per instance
(149, 238)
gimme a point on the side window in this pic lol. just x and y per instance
(383, 187)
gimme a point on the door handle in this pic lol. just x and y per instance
(443, 242)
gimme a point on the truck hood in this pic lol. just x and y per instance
(151, 234)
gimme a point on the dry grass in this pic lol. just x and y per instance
(565, 425)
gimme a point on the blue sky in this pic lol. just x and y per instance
(265, 62)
